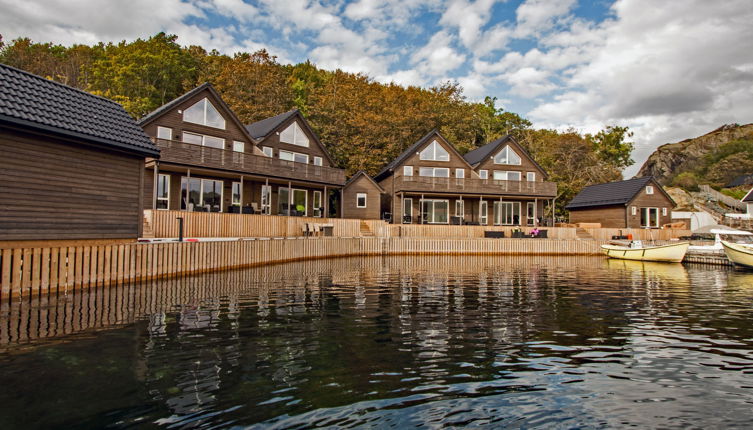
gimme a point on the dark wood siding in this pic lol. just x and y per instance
(655, 200)
(53, 190)
(526, 164)
(615, 216)
(314, 149)
(373, 199)
(607, 216)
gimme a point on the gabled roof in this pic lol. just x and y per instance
(167, 107)
(612, 193)
(740, 181)
(260, 130)
(362, 173)
(263, 128)
(748, 197)
(475, 157)
(412, 150)
(32, 101)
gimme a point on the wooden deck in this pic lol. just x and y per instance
(472, 186)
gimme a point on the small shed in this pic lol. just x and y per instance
(634, 203)
(362, 197)
(748, 200)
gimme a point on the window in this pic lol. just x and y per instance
(283, 200)
(360, 200)
(203, 140)
(318, 208)
(236, 194)
(300, 202)
(649, 189)
(205, 114)
(163, 191)
(407, 170)
(267, 150)
(317, 161)
(507, 213)
(434, 152)
(531, 176)
(407, 211)
(239, 146)
(294, 156)
(531, 213)
(266, 199)
(650, 217)
(663, 211)
(459, 208)
(435, 211)
(483, 212)
(460, 173)
(507, 156)
(294, 135)
(436, 172)
(203, 195)
(633, 211)
(164, 133)
(504, 175)
(483, 174)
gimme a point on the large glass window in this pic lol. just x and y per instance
(294, 156)
(459, 208)
(507, 156)
(435, 211)
(504, 175)
(507, 213)
(300, 202)
(436, 172)
(283, 200)
(204, 113)
(650, 217)
(163, 191)
(164, 133)
(266, 199)
(435, 152)
(294, 135)
(201, 195)
(407, 211)
(531, 213)
(203, 140)
(236, 194)
(318, 208)
(483, 212)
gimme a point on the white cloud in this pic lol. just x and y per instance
(535, 16)
(438, 57)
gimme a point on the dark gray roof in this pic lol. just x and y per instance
(32, 101)
(479, 154)
(612, 193)
(408, 151)
(261, 129)
(748, 197)
(740, 181)
(171, 104)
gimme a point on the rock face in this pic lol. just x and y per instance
(684, 200)
(674, 158)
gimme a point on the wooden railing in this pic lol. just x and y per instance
(664, 234)
(475, 186)
(727, 200)
(205, 156)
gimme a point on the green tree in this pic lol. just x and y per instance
(611, 147)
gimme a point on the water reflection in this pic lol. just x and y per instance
(396, 342)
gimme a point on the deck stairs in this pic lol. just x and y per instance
(582, 234)
(366, 230)
(148, 232)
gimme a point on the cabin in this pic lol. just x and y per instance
(211, 162)
(362, 197)
(72, 163)
(634, 203)
(496, 184)
(748, 200)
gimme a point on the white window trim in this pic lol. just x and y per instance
(483, 212)
(358, 198)
(203, 139)
(306, 202)
(296, 131)
(513, 205)
(433, 146)
(408, 200)
(407, 170)
(460, 204)
(460, 173)
(530, 221)
(294, 154)
(166, 199)
(238, 144)
(434, 201)
(270, 153)
(633, 211)
(649, 189)
(266, 208)
(207, 103)
(169, 132)
(318, 161)
(663, 211)
(434, 169)
(483, 174)
(507, 172)
(240, 194)
(508, 149)
(648, 218)
(201, 190)
(318, 211)
(531, 176)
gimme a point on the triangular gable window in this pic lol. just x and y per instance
(204, 113)
(435, 152)
(507, 156)
(294, 135)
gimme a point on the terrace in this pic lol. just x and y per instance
(422, 184)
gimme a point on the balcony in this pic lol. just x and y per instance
(203, 156)
(423, 184)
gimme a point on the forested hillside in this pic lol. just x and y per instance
(364, 123)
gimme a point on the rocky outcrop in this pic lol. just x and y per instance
(674, 158)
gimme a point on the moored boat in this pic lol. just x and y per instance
(739, 254)
(672, 253)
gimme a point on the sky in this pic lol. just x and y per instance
(669, 70)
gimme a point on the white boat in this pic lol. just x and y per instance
(673, 253)
(739, 254)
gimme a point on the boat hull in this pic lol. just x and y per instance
(673, 253)
(738, 254)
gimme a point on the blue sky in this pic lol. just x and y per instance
(669, 70)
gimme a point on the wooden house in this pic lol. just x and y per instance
(496, 184)
(634, 203)
(72, 162)
(362, 197)
(211, 162)
(748, 200)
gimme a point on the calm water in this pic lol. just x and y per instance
(396, 342)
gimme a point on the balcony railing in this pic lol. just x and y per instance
(474, 186)
(205, 156)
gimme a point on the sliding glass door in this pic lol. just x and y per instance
(201, 195)
(507, 213)
(435, 211)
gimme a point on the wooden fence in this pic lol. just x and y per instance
(605, 234)
(469, 231)
(31, 272)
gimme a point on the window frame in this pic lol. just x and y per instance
(318, 161)
(409, 202)
(365, 197)
(297, 130)
(279, 155)
(407, 169)
(434, 169)
(483, 212)
(203, 139)
(649, 189)
(507, 150)
(232, 194)
(648, 211)
(271, 153)
(460, 204)
(531, 176)
(461, 175)
(169, 132)
(202, 182)
(205, 109)
(507, 174)
(483, 174)
(167, 188)
(433, 146)
(318, 208)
